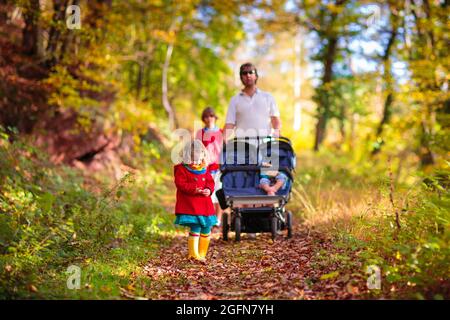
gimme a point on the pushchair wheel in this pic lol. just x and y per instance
(274, 226)
(225, 226)
(289, 224)
(237, 228)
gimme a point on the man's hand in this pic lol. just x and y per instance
(228, 130)
(276, 125)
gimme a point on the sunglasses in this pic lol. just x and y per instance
(248, 72)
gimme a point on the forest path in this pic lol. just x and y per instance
(254, 269)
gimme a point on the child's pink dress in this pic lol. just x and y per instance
(213, 141)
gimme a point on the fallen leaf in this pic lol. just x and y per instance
(330, 275)
(32, 288)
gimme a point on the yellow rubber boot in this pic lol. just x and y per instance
(193, 246)
(203, 245)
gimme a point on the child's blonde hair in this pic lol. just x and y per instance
(192, 149)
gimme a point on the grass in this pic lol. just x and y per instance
(52, 218)
(356, 211)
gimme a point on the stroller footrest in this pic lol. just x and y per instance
(256, 210)
(256, 200)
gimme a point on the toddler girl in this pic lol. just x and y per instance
(194, 207)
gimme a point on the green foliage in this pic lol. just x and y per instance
(48, 221)
(419, 256)
(349, 95)
(413, 260)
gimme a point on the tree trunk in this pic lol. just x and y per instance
(427, 10)
(342, 127)
(69, 39)
(324, 107)
(320, 131)
(147, 81)
(426, 38)
(30, 33)
(140, 75)
(165, 99)
(59, 7)
(388, 81)
(330, 56)
(425, 154)
(3, 12)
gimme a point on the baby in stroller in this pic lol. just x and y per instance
(271, 180)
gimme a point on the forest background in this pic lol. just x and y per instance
(89, 102)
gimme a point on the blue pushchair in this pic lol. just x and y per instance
(252, 210)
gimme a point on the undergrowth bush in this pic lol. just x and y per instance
(354, 207)
(49, 220)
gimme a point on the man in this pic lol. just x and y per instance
(252, 112)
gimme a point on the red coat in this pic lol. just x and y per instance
(188, 201)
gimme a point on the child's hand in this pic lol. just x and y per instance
(199, 190)
(206, 192)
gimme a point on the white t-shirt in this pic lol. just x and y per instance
(252, 115)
